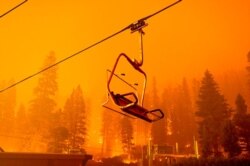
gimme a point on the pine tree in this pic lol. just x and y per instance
(213, 112)
(241, 107)
(248, 71)
(44, 104)
(159, 129)
(167, 107)
(242, 122)
(183, 120)
(109, 131)
(126, 130)
(21, 116)
(57, 143)
(21, 121)
(58, 134)
(7, 108)
(230, 139)
(22, 128)
(75, 119)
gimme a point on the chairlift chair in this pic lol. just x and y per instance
(128, 102)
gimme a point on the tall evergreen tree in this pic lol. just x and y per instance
(213, 112)
(168, 98)
(58, 134)
(22, 127)
(183, 121)
(242, 122)
(57, 143)
(109, 131)
(21, 116)
(159, 129)
(44, 104)
(75, 119)
(7, 107)
(248, 72)
(126, 130)
(230, 139)
(241, 106)
(21, 120)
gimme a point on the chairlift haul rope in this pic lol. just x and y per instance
(132, 27)
(2, 15)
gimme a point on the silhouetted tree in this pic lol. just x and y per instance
(21, 121)
(241, 107)
(126, 129)
(213, 112)
(159, 129)
(58, 134)
(7, 107)
(194, 97)
(21, 117)
(75, 119)
(183, 121)
(167, 104)
(109, 131)
(44, 103)
(248, 72)
(22, 128)
(230, 139)
(57, 143)
(242, 122)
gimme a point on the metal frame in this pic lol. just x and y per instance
(131, 107)
(136, 66)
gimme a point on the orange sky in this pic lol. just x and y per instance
(183, 41)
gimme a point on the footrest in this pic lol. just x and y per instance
(142, 113)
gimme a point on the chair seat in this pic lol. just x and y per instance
(135, 109)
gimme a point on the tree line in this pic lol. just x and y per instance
(201, 114)
(198, 113)
(41, 125)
